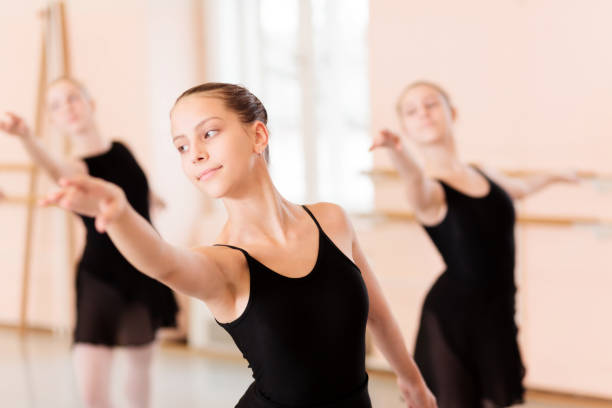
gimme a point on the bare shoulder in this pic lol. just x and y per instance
(516, 187)
(331, 216)
(336, 224)
(490, 172)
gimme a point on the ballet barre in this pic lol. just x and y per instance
(16, 167)
(553, 220)
(19, 200)
(521, 173)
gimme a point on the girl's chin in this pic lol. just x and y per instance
(75, 128)
(210, 191)
(429, 138)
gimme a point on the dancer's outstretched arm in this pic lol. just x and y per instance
(194, 272)
(425, 195)
(55, 167)
(519, 188)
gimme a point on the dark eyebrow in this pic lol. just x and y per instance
(198, 126)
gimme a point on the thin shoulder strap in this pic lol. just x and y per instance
(313, 217)
(445, 187)
(479, 170)
(236, 248)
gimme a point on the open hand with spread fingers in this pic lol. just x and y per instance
(386, 138)
(90, 196)
(14, 125)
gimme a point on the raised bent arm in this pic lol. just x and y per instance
(424, 194)
(56, 168)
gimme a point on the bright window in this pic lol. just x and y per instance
(307, 61)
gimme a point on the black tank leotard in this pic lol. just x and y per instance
(304, 338)
(116, 304)
(466, 346)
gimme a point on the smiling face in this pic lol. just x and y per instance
(218, 152)
(425, 114)
(70, 110)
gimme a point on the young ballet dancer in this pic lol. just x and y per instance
(288, 282)
(117, 307)
(467, 346)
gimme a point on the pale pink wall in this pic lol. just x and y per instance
(566, 301)
(109, 45)
(471, 50)
(527, 74)
(532, 84)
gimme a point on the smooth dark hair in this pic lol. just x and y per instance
(429, 84)
(237, 98)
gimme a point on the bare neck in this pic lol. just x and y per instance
(442, 160)
(258, 212)
(89, 142)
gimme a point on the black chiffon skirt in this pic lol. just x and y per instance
(121, 312)
(467, 346)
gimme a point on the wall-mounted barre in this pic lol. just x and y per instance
(583, 174)
(521, 218)
(14, 167)
(20, 200)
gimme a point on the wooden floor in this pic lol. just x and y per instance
(35, 371)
